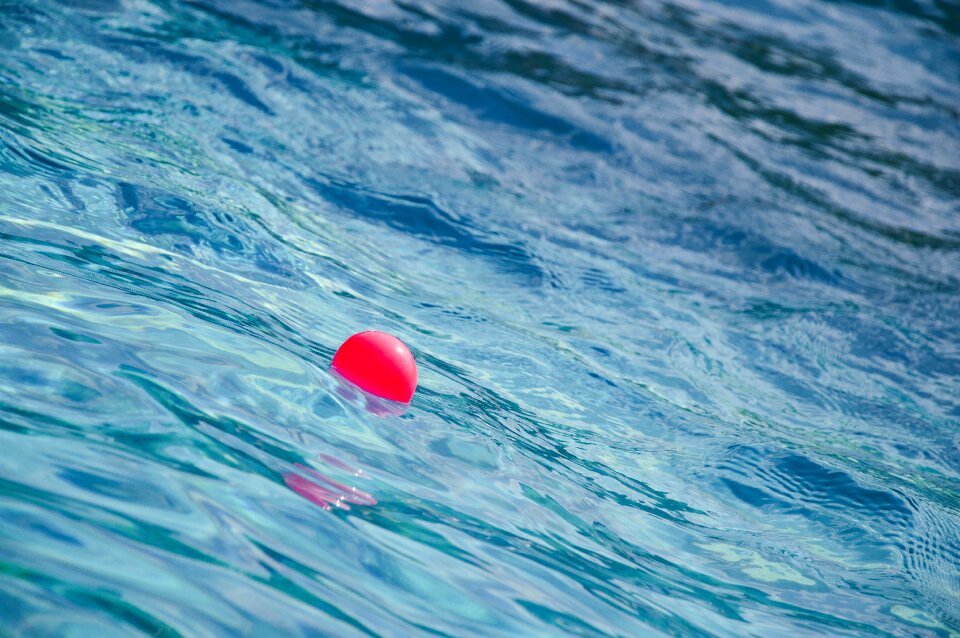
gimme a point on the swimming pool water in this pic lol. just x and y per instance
(682, 279)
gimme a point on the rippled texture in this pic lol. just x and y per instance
(681, 278)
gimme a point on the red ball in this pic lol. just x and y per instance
(379, 363)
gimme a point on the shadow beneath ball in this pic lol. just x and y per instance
(373, 404)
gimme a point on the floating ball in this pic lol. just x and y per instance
(378, 363)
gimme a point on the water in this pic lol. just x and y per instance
(681, 278)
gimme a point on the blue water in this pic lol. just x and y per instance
(682, 280)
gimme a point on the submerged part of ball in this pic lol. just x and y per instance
(378, 363)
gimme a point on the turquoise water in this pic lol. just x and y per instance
(682, 279)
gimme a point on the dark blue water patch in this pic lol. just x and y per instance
(13, 101)
(779, 56)
(54, 54)
(944, 15)
(753, 250)
(22, 138)
(596, 277)
(497, 105)
(287, 42)
(553, 16)
(238, 146)
(425, 32)
(38, 159)
(18, 14)
(754, 496)
(454, 312)
(93, 6)
(422, 217)
(284, 73)
(185, 224)
(156, 213)
(837, 489)
(860, 221)
(794, 483)
(149, 50)
(457, 39)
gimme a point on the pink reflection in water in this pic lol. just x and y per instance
(329, 493)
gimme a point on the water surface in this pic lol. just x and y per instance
(681, 279)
